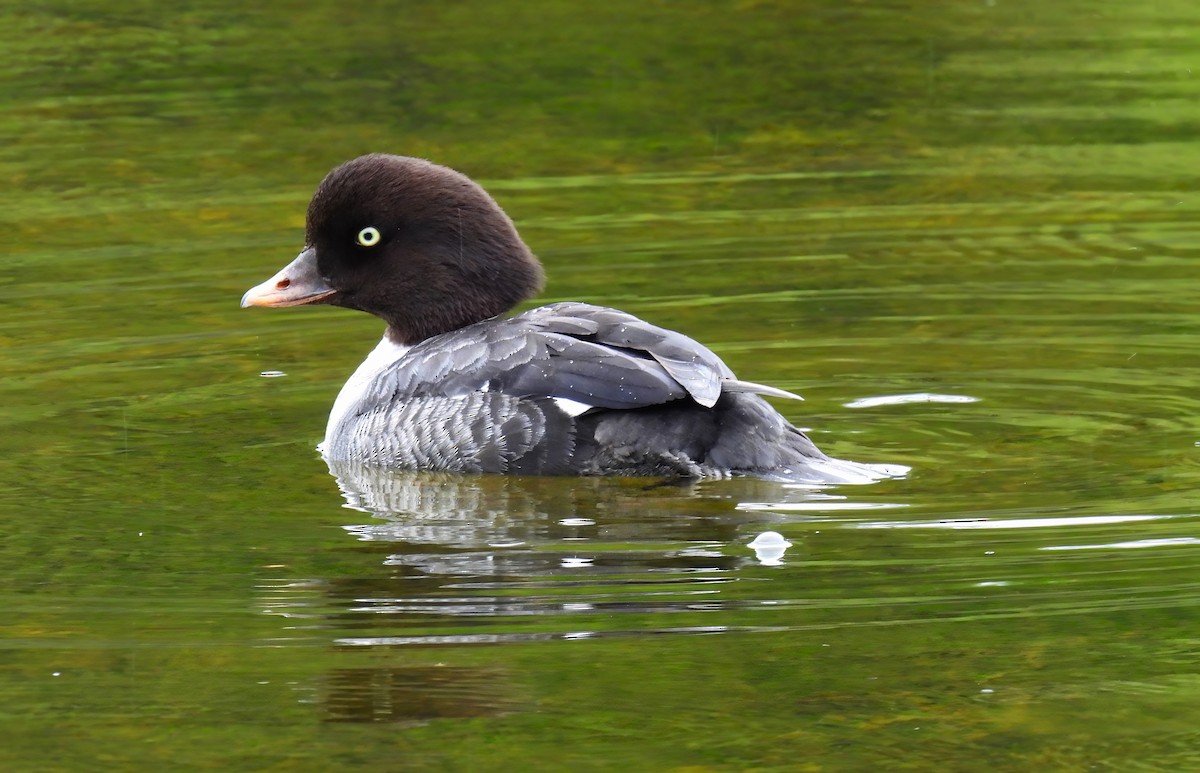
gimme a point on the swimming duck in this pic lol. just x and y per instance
(564, 389)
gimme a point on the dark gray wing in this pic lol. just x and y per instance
(685, 362)
(593, 355)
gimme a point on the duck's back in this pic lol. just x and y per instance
(572, 389)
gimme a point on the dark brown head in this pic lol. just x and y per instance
(416, 244)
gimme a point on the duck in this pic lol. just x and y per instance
(568, 388)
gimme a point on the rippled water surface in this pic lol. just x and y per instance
(967, 233)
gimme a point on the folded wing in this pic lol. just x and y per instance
(596, 356)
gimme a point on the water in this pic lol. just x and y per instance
(966, 233)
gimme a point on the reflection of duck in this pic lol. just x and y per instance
(415, 694)
(484, 525)
(491, 558)
(488, 511)
(567, 388)
(432, 508)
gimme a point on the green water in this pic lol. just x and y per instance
(993, 202)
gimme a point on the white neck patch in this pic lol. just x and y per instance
(380, 357)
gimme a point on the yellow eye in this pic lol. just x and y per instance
(369, 236)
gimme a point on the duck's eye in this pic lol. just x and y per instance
(369, 236)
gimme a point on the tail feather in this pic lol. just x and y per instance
(734, 386)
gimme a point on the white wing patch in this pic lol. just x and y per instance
(572, 407)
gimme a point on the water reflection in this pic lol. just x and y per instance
(1015, 523)
(506, 512)
(453, 560)
(415, 693)
(499, 559)
(918, 397)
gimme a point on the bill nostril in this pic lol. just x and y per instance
(283, 284)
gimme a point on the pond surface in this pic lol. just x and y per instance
(967, 233)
